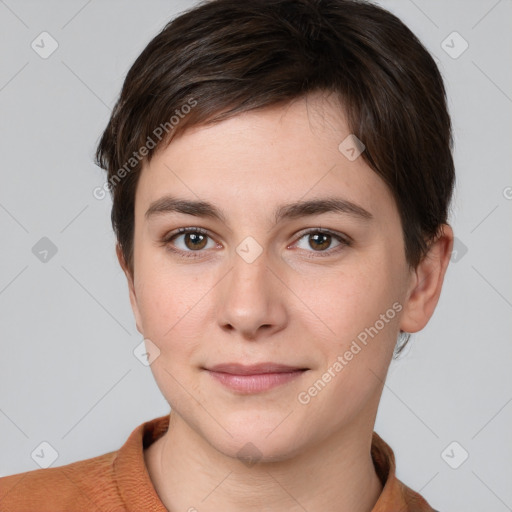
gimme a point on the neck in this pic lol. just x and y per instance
(336, 474)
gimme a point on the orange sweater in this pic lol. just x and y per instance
(118, 481)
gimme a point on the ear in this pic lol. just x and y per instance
(426, 283)
(131, 288)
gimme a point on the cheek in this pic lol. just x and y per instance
(172, 316)
(362, 307)
(159, 307)
(362, 310)
(165, 304)
(348, 301)
(165, 295)
(175, 311)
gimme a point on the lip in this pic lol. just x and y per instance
(250, 379)
(253, 369)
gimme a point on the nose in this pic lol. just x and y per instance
(251, 299)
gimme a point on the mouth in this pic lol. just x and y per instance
(254, 378)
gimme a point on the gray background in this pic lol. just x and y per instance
(68, 375)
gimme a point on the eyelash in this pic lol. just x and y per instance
(343, 239)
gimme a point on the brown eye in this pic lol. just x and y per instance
(195, 241)
(324, 243)
(319, 241)
(189, 240)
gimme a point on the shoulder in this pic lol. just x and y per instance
(395, 494)
(84, 485)
(113, 482)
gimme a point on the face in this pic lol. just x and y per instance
(292, 267)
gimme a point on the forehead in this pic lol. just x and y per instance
(260, 159)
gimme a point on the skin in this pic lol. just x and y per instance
(291, 305)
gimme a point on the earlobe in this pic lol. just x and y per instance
(131, 287)
(427, 282)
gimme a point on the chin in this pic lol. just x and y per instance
(256, 437)
(260, 450)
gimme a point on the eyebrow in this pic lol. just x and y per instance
(169, 204)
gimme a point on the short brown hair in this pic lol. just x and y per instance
(225, 57)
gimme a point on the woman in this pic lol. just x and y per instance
(281, 173)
